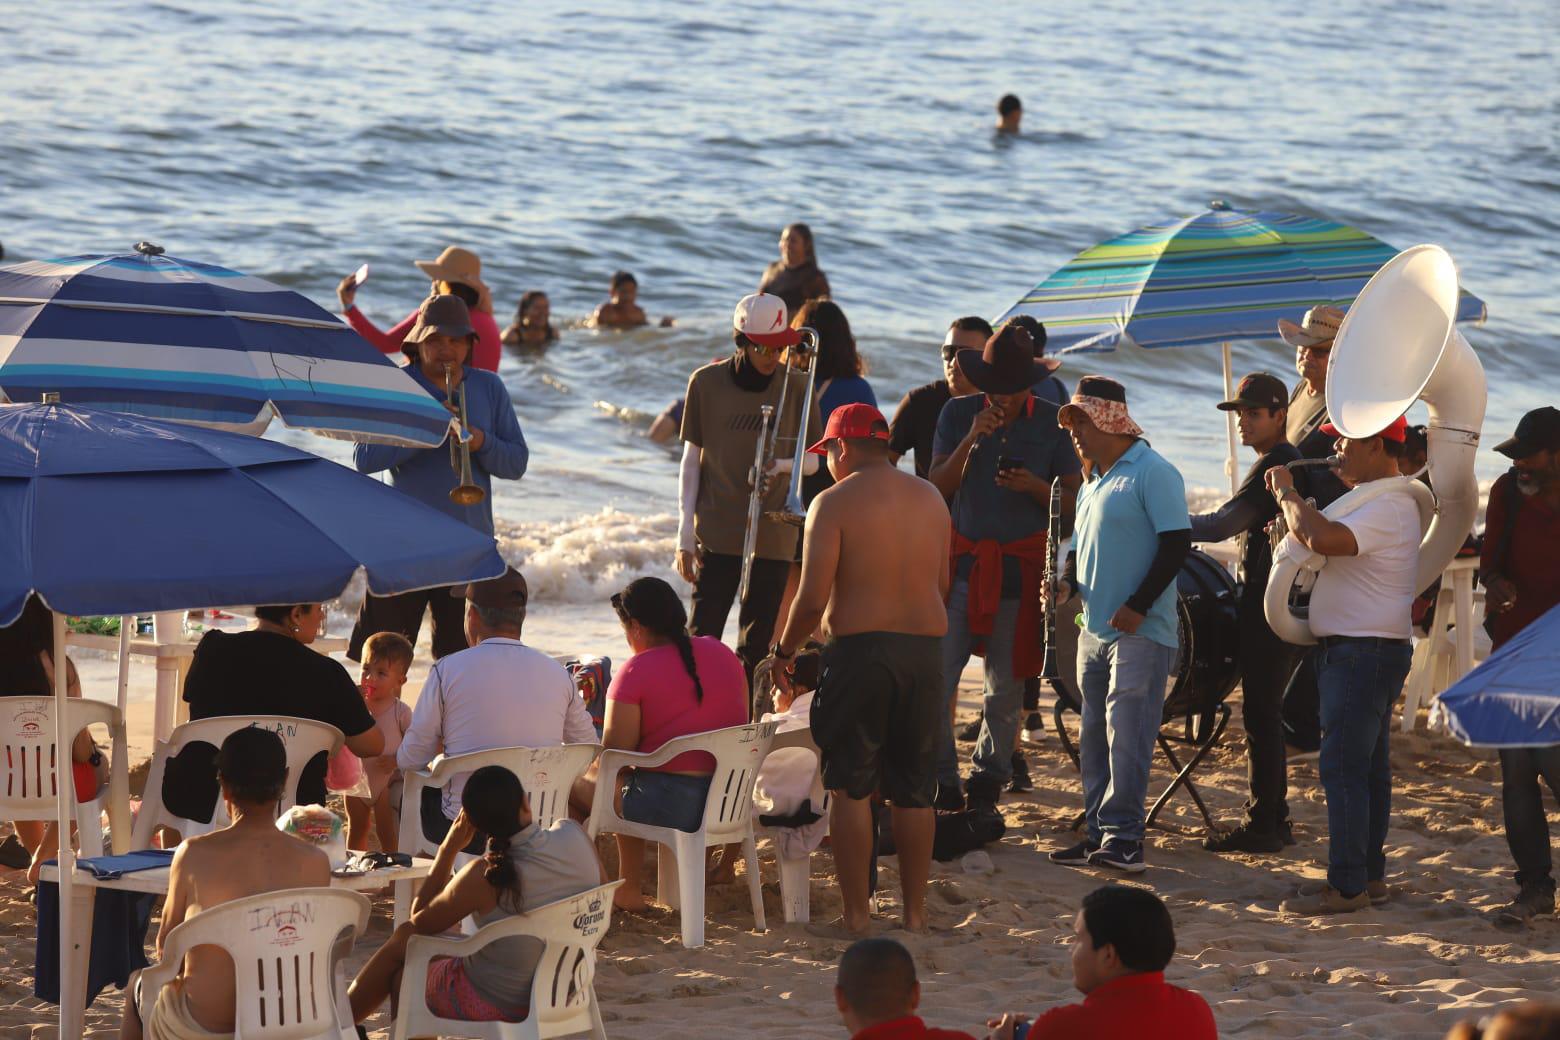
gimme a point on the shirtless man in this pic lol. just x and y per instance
(246, 858)
(875, 572)
(622, 310)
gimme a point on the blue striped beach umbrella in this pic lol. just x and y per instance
(167, 338)
(1222, 275)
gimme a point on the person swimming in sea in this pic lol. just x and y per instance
(622, 310)
(532, 326)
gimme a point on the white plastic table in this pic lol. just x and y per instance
(73, 999)
(1440, 659)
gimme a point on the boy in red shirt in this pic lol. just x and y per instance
(1122, 940)
(877, 994)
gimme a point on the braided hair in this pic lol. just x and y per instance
(493, 798)
(655, 605)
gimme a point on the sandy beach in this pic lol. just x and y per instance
(1000, 937)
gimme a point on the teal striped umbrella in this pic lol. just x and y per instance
(1222, 275)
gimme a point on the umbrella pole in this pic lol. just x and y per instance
(119, 760)
(65, 798)
(1230, 462)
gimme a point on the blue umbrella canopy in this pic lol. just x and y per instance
(107, 513)
(1511, 700)
(167, 338)
(1224, 274)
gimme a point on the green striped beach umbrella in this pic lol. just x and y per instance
(1222, 275)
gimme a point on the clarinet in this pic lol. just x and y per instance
(1053, 535)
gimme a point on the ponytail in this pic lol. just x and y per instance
(499, 871)
(685, 648)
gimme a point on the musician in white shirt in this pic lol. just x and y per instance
(1360, 613)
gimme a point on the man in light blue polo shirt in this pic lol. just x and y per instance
(1131, 535)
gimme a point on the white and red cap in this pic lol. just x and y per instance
(762, 318)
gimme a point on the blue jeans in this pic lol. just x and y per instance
(1123, 686)
(1358, 681)
(665, 799)
(1004, 694)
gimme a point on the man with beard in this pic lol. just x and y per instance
(1520, 570)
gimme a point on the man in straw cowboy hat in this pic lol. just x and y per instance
(456, 272)
(1131, 537)
(1360, 614)
(994, 457)
(443, 337)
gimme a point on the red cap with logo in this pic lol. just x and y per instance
(1398, 431)
(852, 422)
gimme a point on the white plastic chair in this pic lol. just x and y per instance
(546, 773)
(28, 784)
(291, 984)
(796, 872)
(728, 817)
(303, 738)
(563, 990)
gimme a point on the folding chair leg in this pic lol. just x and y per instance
(1183, 776)
(754, 880)
(666, 877)
(689, 853)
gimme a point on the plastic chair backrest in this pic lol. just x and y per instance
(28, 756)
(282, 944)
(563, 988)
(303, 739)
(738, 752)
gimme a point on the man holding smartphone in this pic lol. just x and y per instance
(993, 457)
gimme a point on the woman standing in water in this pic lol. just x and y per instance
(795, 277)
(456, 272)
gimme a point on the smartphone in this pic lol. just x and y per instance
(1021, 1030)
(1008, 462)
(360, 275)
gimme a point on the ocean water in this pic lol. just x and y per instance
(562, 142)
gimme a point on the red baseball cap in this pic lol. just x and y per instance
(852, 422)
(1398, 431)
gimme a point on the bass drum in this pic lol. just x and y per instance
(1206, 665)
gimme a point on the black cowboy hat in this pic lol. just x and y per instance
(1007, 364)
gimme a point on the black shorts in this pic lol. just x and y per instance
(875, 716)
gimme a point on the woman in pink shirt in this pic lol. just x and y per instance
(457, 272)
(673, 685)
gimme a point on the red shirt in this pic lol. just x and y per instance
(484, 355)
(908, 1028)
(1531, 561)
(1142, 1006)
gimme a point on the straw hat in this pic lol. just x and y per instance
(1320, 325)
(462, 266)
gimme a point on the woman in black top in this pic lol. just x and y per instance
(27, 670)
(268, 670)
(795, 277)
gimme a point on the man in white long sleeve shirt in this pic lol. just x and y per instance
(498, 693)
(721, 424)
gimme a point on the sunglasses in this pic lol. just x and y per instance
(949, 352)
(759, 348)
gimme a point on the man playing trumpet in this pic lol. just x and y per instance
(443, 338)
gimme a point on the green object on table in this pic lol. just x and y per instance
(94, 626)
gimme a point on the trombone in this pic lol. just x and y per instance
(468, 493)
(792, 512)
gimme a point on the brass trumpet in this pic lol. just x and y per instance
(467, 493)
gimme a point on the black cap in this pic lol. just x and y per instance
(1258, 390)
(1538, 430)
(508, 591)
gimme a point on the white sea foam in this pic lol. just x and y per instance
(586, 559)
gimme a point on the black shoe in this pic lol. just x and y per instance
(1075, 855)
(1126, 856)
(14, 854)
(949, 799)
(1286, 832)
(1020, 782)
(1244, 838)
(1532, 901)
(970, 731)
